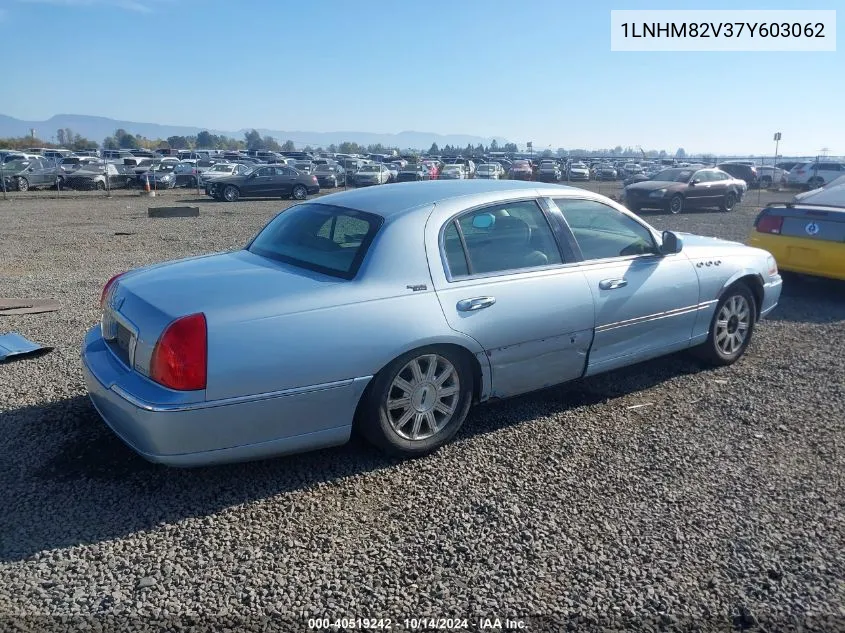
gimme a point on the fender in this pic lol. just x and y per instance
(756, 290)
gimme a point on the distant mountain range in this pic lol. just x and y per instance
(96, 128)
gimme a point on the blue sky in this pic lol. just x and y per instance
(539, 71)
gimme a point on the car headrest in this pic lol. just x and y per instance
(509, 224)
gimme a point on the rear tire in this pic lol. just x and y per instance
(730, 328)
(729, 202)
(299, 192)
(418, 402)
(101, 186)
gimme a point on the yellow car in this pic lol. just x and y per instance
(804, 238)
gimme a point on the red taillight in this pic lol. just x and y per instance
(107, 287)
(314, 178)
(800, 171)
(180, 357)
(770, 224)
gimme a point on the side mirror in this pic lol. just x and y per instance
(671, 244)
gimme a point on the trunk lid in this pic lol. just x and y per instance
(226, 283)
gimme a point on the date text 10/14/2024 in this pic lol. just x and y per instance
(417, 624)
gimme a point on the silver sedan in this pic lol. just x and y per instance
(391, 310)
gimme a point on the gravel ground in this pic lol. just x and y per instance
(717, 505)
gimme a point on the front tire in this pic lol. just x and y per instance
(676, 204)
(23, 184)
(418, 402)
(731, 327)
(299, 192)
(231, 193)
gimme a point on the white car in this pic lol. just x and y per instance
(769, 175)
(578, 171)
(372, 174)
(493, 171)
(219, 170)
(814, 174)
(453, 172)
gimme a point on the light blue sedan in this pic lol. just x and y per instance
(391, 310)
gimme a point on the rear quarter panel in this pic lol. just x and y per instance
(372, 320)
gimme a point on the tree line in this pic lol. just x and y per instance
(253, 140)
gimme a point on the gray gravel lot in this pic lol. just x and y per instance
(718, 505)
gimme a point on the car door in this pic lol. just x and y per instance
(699, 191)
(287, 178)
(261, 182)
(720, 187)
(646, 303)
(504, 279)
(36, 173)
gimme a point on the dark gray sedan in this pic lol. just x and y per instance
(265, 181)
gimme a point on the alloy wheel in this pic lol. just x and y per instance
(732, 325)
(423, 397)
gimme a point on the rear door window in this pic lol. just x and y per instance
(509, 236)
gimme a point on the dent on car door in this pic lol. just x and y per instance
(503, 281)
(646, 303)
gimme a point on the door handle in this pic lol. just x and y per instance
(469, 305)
(612, 284)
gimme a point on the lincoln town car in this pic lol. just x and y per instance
(389, 311)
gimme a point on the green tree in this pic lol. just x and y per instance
(271, 145)
(332, 148)
(60, 136)
(253, 140)
(206, 140)
(494, 146)
(680, 153)
(348, 147)
(177, 142)
(434, 149)
(288, 146)
(510, 147)
(110, 142)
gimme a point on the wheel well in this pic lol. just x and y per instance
(755, 285)
(472, 360)
(463, 351)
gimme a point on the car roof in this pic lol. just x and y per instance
(396, 198)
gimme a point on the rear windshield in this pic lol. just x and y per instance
(325, 238)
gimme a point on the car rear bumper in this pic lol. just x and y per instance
(806, 256)
(220, 431)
